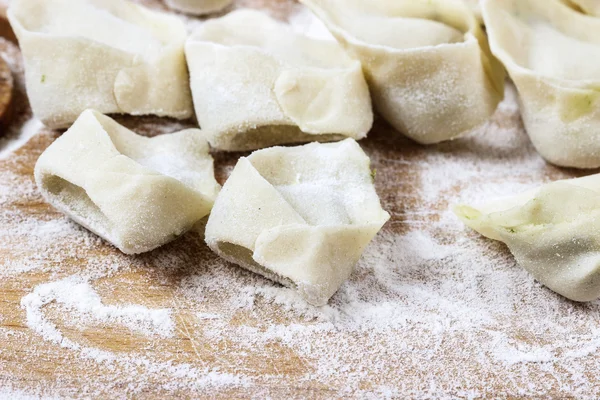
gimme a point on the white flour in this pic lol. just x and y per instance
(432, 309)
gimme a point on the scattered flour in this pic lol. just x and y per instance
(432, 309)
(76, 294)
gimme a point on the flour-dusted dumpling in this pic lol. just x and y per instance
(256, 83)
(476, 8)
(300, 216)
(138, 193)
(591, 7)
(110, 55)
(427, 62)
(552, 54)
(198, 7)
(553, 232)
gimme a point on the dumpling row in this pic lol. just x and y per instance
(256, 83)
(139, 193)
(301, 216)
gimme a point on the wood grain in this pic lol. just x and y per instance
(38, 245)
(5, 29)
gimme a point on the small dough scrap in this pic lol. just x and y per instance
(137, 193)
(553, 232)
(110, 55)
(198, 7)
(301, 216)
(552, 54)
(431, 74)
(256, 83)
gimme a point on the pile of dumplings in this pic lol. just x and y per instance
(303, 215)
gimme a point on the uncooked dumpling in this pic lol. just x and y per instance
(256, 83)
(552, 53)
(427, 62)
(300, 216)
(137, 193)
(110, 55)
(198, 7)
(476, 8)
(553, 232)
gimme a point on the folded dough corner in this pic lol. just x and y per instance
(109, 55)
(553, 232)
(427, 62)
(137, 193)
(301, 216)
(552, 54)
(256, 83)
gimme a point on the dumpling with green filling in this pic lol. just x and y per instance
(427, 62)
(301, 216)
(138, 193)
(553, 231)
(552, 54)
(113, 56)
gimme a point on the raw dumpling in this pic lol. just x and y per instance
(137, 193)
(300, 216)
(552, 54)
(256, 83)
(591, 7)
(553, 232)
(110, 55)
(198, 7)
(476, 8)
(427, 62)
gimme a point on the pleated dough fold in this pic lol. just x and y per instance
(300, 216)
(552, 54)
(427, 62)
(137, 193)
(109, 55)
(255, 84)
(553, 232)
(198, 7)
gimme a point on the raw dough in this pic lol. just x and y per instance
(553, 232)
(427, 62)
(300, 216)
(137, 193)
(110, 55)
(256, 83)
(552, 53)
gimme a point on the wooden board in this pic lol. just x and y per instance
(432, 309)
(6, 89)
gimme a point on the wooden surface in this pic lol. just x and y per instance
(220, 334)
(6, 89)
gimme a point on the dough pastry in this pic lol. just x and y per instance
(591, 7)
(110, 55)
(427, 62)
(553, 232)
(198, 7)
(552, 54)
(300, 216)
(476, 8)
(137, 193)
(256, 83)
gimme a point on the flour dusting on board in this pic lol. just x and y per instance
(432, 309)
